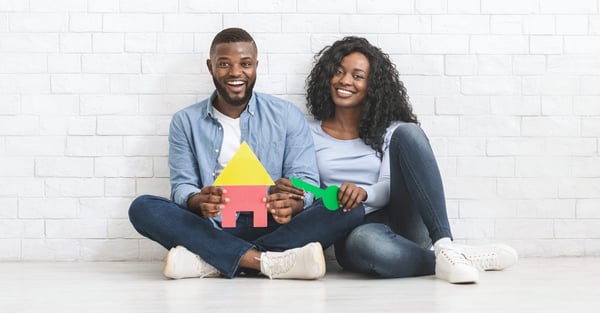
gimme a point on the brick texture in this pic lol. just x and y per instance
(508, 92)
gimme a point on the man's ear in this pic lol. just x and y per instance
(209, 66)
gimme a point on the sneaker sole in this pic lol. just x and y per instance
(455, 279)
(167, 268)
(320, 259)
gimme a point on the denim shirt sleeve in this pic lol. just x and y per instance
(300, 157)
(182, 162)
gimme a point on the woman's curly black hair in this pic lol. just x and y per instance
(386, 99)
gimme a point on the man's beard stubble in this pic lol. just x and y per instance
(234, 102)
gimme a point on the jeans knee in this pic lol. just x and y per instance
(366, 236)
(139, 207)
(408, 132)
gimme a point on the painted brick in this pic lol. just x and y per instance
(506, 24)
(509, 6)
(74, 187)
(302, 23)
(64, 167)
(257, 23)
(123, 167)
(316, 6)
(148, 6)
(146, 146)
(51, 249)
(460, 24)
(105, 207)
(135, 23)
(175, 43)
(108, 104)
(37, 22)
(109, 250)
(216, 7)
(507, 92)
(491, 85)
(83, 22)
(48, 208)
(107, 43)
(8, 208)
(562, 7)
(119, 187)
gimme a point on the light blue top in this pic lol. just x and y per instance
(353, 161)
(275, 129)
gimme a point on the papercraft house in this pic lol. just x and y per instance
(246, 181)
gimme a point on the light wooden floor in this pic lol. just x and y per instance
(533, 285)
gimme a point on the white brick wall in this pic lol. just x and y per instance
(508, 91)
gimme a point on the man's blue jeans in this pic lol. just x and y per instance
(395, 241)
(170, 225)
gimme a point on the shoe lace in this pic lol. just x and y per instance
(276, 264)
(454, 256)
(484, 261)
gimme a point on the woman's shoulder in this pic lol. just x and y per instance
(314, 125)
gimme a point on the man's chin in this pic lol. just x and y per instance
(237, 101)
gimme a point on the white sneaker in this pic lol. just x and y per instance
(181, 263)
(492, 257)
(452, 266)
(306, 262)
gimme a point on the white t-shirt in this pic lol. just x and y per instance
(353, 161)
(232, 139)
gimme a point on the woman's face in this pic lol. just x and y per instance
(349, 82)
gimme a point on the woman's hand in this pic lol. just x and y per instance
(350, 196)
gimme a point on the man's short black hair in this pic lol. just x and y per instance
(231, 35)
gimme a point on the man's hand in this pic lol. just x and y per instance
(350, 196)
(283, 206)
(208, 202)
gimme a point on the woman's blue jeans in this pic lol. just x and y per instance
(395, 241)
(170, 225)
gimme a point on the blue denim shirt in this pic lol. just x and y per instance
(275, 129)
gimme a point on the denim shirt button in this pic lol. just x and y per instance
(217, 150)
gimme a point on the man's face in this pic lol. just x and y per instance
(233, 69)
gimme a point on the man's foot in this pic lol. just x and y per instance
(181, 263)
(306, 262)
(492, 257)
(452, 265)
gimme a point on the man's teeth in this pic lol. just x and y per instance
(236, 83)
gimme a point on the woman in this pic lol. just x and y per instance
(369, 142)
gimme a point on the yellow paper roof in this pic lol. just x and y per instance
(244, 169)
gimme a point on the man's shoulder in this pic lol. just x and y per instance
(269, 100)
(196, 109)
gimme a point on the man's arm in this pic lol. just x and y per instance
(185, 180)
(300, 159)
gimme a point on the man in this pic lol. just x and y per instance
(202, 139)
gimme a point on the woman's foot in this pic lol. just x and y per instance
(491, 257)
(451, 265)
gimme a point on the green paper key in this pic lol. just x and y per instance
(328, 194)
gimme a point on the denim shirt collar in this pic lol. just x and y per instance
(209, 109)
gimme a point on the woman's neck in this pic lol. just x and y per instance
(343, 125)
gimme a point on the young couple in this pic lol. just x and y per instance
(392, 220)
